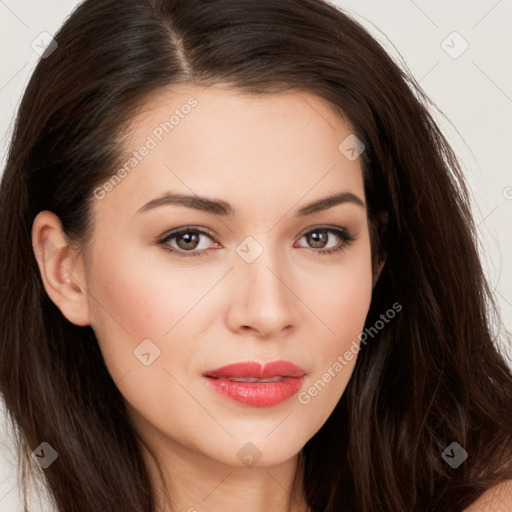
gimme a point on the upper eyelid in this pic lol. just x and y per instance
(178, 231)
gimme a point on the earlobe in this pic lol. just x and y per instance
(61, 269)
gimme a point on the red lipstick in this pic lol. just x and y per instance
(257, 385)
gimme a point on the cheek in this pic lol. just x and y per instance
(134, 300)
(341, 300)
(340, 295)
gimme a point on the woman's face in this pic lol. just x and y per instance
(249, 280)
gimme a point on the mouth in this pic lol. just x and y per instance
(250, 379)
(257, 385)
(254, 370)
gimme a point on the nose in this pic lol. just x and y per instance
(263, 300)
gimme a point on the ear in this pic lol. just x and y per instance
(62, 269)
(382, 221)
(380, 265)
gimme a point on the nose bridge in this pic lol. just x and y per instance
(263, 298)
(258, 263)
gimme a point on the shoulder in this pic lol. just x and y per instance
(495, 499)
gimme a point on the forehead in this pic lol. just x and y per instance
(257, 149)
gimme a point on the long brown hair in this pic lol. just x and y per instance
(430, 377)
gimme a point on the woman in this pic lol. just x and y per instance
(329, 347)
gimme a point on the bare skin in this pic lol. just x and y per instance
(268, 156)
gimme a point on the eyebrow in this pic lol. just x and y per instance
(222, 208)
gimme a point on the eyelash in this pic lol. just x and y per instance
(343, 234)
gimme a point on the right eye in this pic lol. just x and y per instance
(187, 240)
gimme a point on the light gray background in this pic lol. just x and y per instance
(473, 90)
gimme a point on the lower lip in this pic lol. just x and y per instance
(257, 394)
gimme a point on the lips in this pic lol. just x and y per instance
(255, 385)
(257, 372)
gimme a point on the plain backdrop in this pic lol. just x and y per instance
(457, 50)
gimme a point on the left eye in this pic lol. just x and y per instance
(188, 240)
(318, 238)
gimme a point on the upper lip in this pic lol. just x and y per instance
(257, 370)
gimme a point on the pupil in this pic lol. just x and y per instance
(189, 239)
(316, 236)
